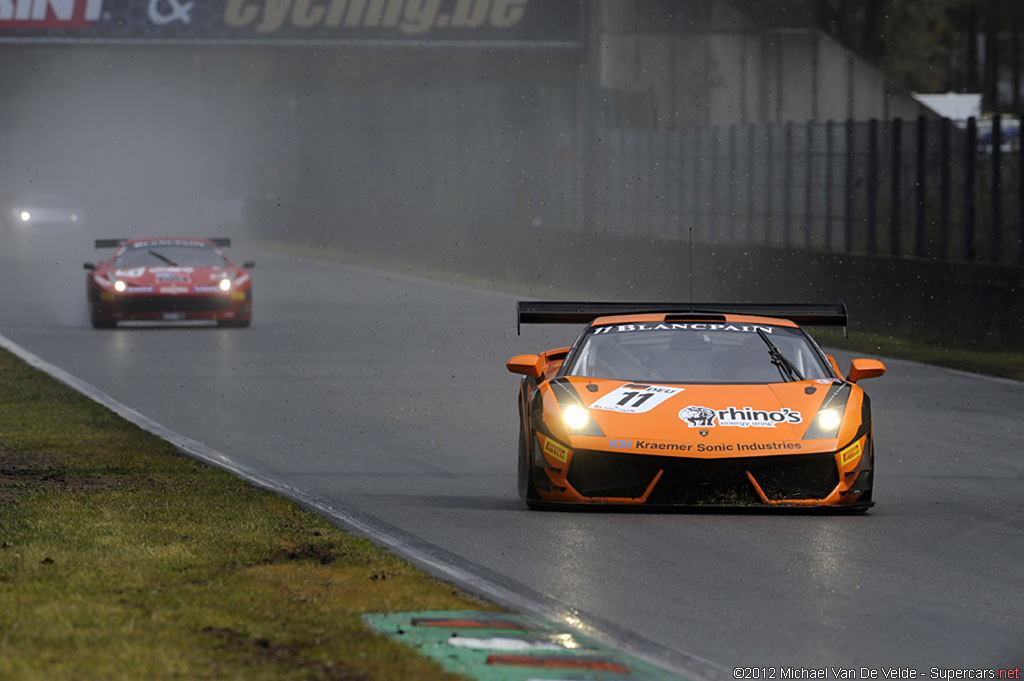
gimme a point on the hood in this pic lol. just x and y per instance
(695, 418)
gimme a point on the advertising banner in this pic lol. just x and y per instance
(460, 23)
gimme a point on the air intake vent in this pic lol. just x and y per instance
(694, 317)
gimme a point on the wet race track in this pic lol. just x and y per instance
(387, 395)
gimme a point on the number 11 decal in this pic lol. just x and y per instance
(635, 398)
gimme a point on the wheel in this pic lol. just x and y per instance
(527, 488)
(99, 322)
(525, 467)
(234, 323)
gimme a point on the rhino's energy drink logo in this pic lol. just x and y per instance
(698, 417)
(36, 14)
(737, 417)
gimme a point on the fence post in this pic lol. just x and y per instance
(751, 192)
(895, 195)
(970, 179)
(671, 181)
(997, 189)
(808, 186)
(674, 190)
(873, 186)
(714, 217)
(921, 174)
(829, 127)
(1020, 193)
(848, 198)
(697, 163)
(731, 205)
(945, 187)
(787, 191)
(685, 221)
(767, 182)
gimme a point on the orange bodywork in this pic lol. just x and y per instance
(694, 444)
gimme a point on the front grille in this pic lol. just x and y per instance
(811, 476)
(183, 303)
(696, 482)
(599, 474)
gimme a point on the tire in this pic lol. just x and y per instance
(526, 490)
(99, 322)
(527, 486)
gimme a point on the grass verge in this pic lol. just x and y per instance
(120, 559)
(1004, 364)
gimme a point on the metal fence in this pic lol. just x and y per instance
(920, 188)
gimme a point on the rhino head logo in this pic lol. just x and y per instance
(698, 417)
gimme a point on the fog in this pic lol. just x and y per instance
(116, 134)
(191, 139)
(600, 169)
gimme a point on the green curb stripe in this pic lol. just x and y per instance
(490, 646)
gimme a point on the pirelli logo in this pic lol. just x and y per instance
(556, 451)
(851, 453)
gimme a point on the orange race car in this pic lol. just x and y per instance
(693, 405)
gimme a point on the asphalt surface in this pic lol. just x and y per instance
(387, 394)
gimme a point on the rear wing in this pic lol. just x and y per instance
(223, 242)
(109, 243)
(559, 312)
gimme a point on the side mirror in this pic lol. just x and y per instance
(864, 368)
(89, 266)
(528, 365)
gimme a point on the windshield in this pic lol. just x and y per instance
(694, 353)
(170, 255)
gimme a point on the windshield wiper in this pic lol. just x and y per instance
(164, 258)
(787, 369)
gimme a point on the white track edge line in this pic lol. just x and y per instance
(689, 666)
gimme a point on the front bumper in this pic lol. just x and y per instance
(825, 479)
(111, 307)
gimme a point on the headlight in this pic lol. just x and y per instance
(25, 216)
(225, 284)
(825, 424)
(575, 417)
(829, 419)
(120, 286)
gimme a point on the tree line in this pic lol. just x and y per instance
(927, 46)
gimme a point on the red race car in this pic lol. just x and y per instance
(168, 280)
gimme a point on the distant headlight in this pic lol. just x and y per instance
(120, 286)
(225, 284)
(575, 417)
(25, 216)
